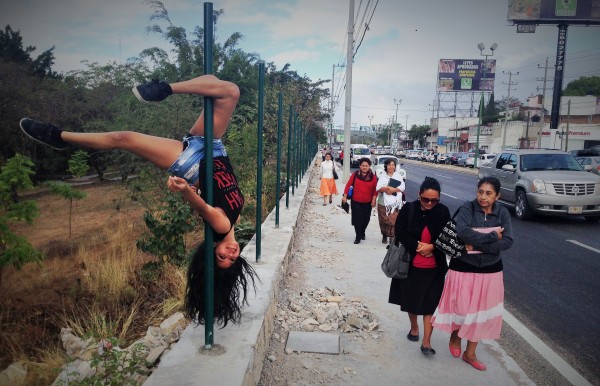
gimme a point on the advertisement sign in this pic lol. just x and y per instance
(554, 11)
(466, 74)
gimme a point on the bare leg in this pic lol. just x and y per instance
(225, 95)
(455, 340)
(470, 351)
(162, 152)
(427, 330)
(414, 326)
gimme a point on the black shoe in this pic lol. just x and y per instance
(357, 240)
(412, 338)
(362, 237)
(384, 240)
(154, 91)
(43, 133)
(427, 351)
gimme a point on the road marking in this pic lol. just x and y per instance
(585, 246)
(446, 194)
(555, 360)
(439, 175)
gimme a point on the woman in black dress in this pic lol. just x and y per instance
(420, 292)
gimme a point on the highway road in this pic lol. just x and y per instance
(551, 273)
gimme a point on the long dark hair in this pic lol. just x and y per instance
(230, 289)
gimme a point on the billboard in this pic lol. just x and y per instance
(466, 75)
(554, 11)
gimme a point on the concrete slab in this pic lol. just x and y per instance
(317, 342)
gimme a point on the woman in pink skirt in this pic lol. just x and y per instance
(473, 298)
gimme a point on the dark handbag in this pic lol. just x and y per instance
(335, 175)
(448, 240)
(396, 262)
(397, 259)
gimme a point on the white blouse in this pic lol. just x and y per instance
(327, 169)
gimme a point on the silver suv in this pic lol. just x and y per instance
(547, 182)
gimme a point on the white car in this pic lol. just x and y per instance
(377, 162)
(485, 159)
(413, 154)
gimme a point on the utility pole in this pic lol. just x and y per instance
(539, 136)
(348, 107)
(397, 103)
(510, 83)
(332, 102)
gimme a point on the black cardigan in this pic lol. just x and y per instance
(409, 236)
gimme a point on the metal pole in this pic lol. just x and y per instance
(289, 159)
(259, 158)
(568, 120)
(543, 112)
(294, 153)
(348, 106)
(558, 75)
(209, 276)
(278, 176)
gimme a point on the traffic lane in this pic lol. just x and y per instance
(550, 282)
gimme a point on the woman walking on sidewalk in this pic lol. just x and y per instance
(472, 303)
(363, 198)
(328, 187)
(420, 292)
(390, 187)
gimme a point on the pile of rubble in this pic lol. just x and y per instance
(326, 310)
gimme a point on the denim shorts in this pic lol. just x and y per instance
(187, 165)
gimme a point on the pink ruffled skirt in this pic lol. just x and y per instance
(471, 303)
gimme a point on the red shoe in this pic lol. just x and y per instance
(455, 351)
(478, 365)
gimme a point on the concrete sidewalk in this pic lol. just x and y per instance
(311, 251)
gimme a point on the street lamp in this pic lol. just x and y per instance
(481, 47)
(397, 103)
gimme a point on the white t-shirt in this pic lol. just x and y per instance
(327, 169)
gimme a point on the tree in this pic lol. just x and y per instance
(15, 177)
(583, 86)
(419, 132)
(490, 113)
(77, 167)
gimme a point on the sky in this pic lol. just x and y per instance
(396, 57)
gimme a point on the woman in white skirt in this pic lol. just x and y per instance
(473, 298)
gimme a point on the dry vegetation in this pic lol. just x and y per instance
(93, 283)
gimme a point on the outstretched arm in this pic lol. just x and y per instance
(215, 217)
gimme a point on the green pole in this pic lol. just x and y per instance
(294, 153)
(259, 159)
(209, 277)
(297, 147)
(289, 154)
(278, 176)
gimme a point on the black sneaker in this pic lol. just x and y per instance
(154, 91)
(43, 132)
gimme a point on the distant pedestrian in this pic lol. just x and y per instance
(328, 187)
(472, 302)
(364, 197)
(390, 187)
(323, 153)
(420, 292)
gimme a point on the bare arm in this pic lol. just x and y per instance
(215, 217)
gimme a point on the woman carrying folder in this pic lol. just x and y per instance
(390, 187)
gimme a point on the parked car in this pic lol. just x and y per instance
(452, 158)
(442, 158)
(413, 154)
(466, 160)
(546, 182)
(423, 155)
(590, 164)
(486, 158)
(377, 162)
(400, 153)
(585, 153)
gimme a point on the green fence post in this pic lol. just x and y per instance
(209, 277)
(289, 159)
(278, 176)
(259, 159)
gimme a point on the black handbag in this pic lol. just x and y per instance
(397, 259)
(335, 175)
(448, 240)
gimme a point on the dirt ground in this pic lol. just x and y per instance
(34, 298)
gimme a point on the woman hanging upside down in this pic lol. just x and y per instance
(185, 160)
